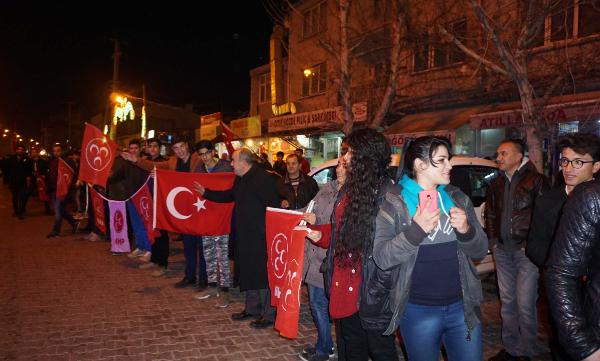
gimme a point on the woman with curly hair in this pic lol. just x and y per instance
(426, 256)
(348, 236)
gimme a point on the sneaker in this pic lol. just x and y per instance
(93, 237)
(307, 353)
(159, 272)
(52, 235)
(318, 357)
(136, 253)
(145, 257)
(207, 293)
(147, 265)
(222, 300)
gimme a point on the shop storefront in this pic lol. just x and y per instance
(316, 132)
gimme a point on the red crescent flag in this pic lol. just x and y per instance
(98, 205)
(142, 201)
(41, 188)
(228, 136)
(285, 251)
(64, 179)
(179, 208)
(97, 156)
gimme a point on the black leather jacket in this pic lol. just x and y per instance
(529, 185)
(575, 256)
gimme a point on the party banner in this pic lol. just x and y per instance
(285, 246)
(97, 156)
(63, 179)
(98, 207)
(142, 201)
(119, 242)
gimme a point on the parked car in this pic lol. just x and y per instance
(471, 174)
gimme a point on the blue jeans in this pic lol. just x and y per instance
(60, 212)
(518, 285)
(425, 328)
(319, 307)
(192, 251)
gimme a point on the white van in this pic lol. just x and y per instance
(471, 174)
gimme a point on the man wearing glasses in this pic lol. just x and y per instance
(579, 162)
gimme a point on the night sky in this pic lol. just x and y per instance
(184, 52)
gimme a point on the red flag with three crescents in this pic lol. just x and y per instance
(98, 206)
(285, 247)
(179, 208)
(142, 201)
(97, 156)
(63, 179)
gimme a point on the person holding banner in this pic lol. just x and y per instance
(184, 161)
(215, 248)
(58, 168)
(40, 170)
(253, 191)
(160, 247)
(426, 247)
(348, 266)
(312, 276)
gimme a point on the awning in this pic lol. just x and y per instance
(439, 123)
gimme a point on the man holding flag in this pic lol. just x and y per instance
(58, 184)
(253, 191)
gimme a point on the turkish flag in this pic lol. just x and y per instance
(64, 179)
(119, 241)
(178, 208)
(41, 188)
(142, 201)
(97, 156)
(285, 245)
(228, 136)
(98, 205)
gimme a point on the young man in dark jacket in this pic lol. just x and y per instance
(295, 188)
(578, 159)
(510, 202)
(573, 274)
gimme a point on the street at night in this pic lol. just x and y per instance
(69, 299)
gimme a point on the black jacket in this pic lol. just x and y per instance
(307, 190)
(546, 214)
(575, 304)
(525, 187)
(125, 179)
(252, 194)
(20, 170)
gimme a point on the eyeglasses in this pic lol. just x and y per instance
(208, 152)
(575, 163)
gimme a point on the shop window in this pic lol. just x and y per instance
(465, 141)
(315, 20)
(314, 80)
(264, 88)
(490, 139)
(432, 52)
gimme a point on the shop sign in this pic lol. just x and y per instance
(551, 114)
(246, 127)
(207, 132)
(398, 140)
(210, 119)
(318, 119)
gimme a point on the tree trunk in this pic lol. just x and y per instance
(532, 121)
(344, 94)
(390, 90)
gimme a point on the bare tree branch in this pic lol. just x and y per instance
(452, 39)
(329, 49)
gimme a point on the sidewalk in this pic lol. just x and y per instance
(69, 299)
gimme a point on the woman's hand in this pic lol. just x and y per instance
(310, 218)
(425, 219)
(199, 188)
(458, 220)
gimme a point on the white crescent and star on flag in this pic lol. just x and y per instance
(170, 201)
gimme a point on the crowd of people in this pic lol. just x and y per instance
(385, 253)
